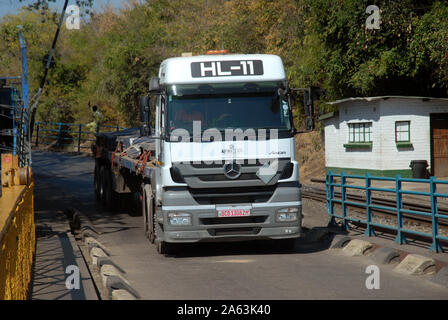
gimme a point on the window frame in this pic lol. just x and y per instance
(408, 131)
(361, 132)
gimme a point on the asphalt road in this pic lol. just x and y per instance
(256, 270)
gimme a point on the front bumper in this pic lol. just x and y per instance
(205, 236)
(206, 226)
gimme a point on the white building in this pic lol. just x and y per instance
(382, 135)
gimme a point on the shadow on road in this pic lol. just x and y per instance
(304, 245)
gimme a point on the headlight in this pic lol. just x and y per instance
(287, 215)
(179, 219)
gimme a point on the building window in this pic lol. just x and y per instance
(403, 134)
(359, 136)
(360, 132)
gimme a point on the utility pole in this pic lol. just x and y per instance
(47, 67)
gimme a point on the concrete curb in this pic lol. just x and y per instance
(339, 241)
(101, 261)
(121, 294)
(111, 275)
(108, 270)
(94, 254)
(93, 243)
(88, 282)
(385, 255)
(108, 275)
(356, 247)
(114, 282)
(441, 277)
(414, 264)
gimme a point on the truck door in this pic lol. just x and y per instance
(160, 126)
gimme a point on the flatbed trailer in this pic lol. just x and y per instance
(117, 173)
(136, 166)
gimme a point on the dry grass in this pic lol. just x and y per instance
(310, 153)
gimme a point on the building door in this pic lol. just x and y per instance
(439, 144)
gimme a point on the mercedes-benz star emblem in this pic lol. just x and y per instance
(232, 170)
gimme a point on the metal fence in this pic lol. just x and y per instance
(73, 135)
(395, 206)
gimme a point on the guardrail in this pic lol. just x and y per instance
(68, 134)
(398, 191)
(17, 230)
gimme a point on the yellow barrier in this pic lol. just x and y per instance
(17, 241)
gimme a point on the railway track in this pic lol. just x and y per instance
(319, 194)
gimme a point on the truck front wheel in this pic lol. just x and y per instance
(165, 247)
(148, 212)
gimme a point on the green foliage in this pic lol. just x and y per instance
(109, 61)
(391, 60)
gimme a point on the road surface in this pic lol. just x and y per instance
(219, 271)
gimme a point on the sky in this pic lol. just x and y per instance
(13, 6)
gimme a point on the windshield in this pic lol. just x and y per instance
(227, 106)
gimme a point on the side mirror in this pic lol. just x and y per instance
(310, 95)
(145, 114)
(308, 105)
(154, 86)
(284, 92)
(145, 109)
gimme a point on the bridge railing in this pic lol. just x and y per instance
(73, 135)
(17, 229)
(431, 213)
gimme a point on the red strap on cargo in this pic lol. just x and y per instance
(147, 154)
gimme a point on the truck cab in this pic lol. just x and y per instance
(225, 152)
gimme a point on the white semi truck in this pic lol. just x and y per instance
(219, 162)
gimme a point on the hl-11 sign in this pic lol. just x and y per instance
(226, 68)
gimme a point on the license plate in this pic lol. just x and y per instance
(233, 212)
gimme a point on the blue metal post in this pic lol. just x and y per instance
(14, 126)
(369, 230)
(59, 134)
(25, 94)
(330, 197)
(343, 199)
(79, 137)
(25, 156)
(327, 188)
(400, 237)
(436, 247)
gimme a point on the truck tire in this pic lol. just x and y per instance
(145, 212)
(108, 196)
(165, 247)
(100, 185)
(97, 183)
(148, 212)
